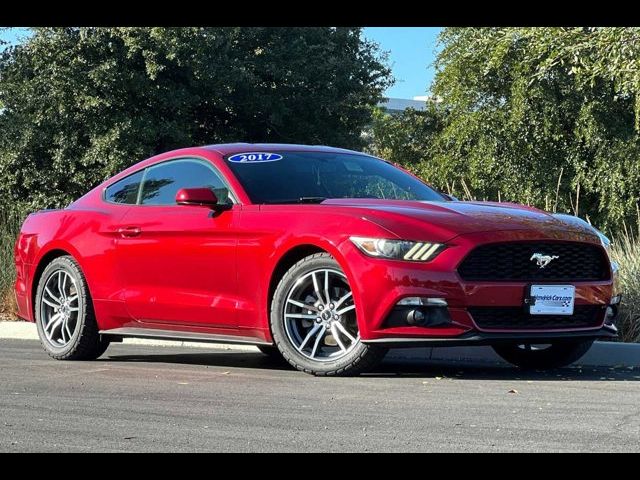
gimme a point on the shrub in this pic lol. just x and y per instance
(626, 251)
(9, 226)
(79, 104)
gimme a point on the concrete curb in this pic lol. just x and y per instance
(602, 354)
(27, 331)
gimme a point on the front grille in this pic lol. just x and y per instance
(512, 262)
(516, 318)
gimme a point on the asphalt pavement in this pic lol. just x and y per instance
(140, 398)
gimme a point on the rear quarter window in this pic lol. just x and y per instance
(124, 191)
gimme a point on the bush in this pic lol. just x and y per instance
(626, 251)
(9, 227)
(80, 104)
(548, 117)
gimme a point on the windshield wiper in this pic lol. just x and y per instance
(311, 199)
(285, 201)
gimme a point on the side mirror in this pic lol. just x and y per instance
(451, 198)
(197, 196)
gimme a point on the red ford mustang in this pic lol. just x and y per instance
(324, 256)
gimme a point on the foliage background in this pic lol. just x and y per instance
(543, 116)
(80, 104)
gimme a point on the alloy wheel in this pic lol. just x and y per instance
(319, 316)
(59, 308)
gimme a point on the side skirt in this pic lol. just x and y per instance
(156, 334)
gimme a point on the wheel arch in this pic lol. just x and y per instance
(288, 257)
(287, 260)
(45, 259)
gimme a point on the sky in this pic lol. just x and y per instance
(411, 50)
(12, 34)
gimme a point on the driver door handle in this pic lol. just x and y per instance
(128, 232)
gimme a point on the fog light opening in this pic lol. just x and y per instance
(416, 317)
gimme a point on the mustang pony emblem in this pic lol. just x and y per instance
(543, 260)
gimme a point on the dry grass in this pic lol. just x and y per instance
(9, 227)
(8, 307)
(626, 251)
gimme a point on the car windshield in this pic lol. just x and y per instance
(310, 177)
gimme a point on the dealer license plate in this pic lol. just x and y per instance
(552, 299)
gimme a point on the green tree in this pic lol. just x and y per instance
(408, 139)
(79, 104)
(544, 116)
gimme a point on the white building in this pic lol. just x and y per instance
(397, 105)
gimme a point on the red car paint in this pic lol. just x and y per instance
(179, 268)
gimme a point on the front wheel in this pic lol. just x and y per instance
(313, 320)
(555, 355)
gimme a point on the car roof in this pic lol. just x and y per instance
(224, 149)
(231, 148)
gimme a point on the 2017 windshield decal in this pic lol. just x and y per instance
(254, 157)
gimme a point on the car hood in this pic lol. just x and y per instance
(450, 219)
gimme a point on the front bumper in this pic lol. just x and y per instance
(380, 284)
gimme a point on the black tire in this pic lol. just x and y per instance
(555, 355)
(270, 351)
(85, 342)
(360, 358)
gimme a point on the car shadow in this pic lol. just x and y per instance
(436, 370)
(501, 371)
(209, 359)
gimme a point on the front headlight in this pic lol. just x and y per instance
(398, 249)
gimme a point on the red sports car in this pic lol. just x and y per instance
(324, 256)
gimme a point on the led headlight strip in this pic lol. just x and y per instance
(397, 249)
(421, 251)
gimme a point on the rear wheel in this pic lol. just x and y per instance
(313, 320)
(532, 356)
(64, 313)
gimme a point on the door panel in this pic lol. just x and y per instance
(179, 264)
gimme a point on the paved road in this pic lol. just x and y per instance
(175, 399)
